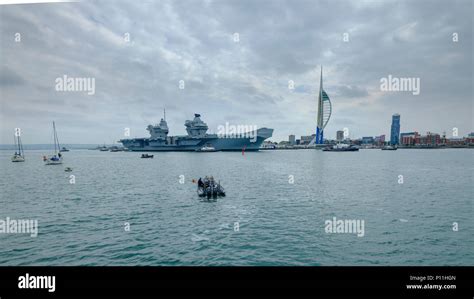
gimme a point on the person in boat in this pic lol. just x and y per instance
(200, 183)
(211, 181)
(59, 155)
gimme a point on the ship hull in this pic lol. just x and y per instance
(189, 144)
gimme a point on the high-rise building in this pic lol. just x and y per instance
(395, 130)
(292, 139)
(340, 135)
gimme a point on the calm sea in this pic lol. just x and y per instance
(274, 214)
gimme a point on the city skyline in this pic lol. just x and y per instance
(243, 62)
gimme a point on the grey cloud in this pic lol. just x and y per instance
(10, 78)
(351, 91)
(245, 81)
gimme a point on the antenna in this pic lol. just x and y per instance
(164, 113)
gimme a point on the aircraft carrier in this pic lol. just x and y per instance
(196, 139)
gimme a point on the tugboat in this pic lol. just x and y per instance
(209, 188)
(341, 147)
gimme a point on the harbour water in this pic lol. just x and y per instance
(274, 213)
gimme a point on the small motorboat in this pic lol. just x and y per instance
(64, 149)
(68, 169)
(206, 148)
(115, 149)
(146, 156)
(210, 189)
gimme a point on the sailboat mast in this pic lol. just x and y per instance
(20, 147)
(14, 141)
(18, 143)
(55, 137)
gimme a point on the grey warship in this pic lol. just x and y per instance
(196, 139)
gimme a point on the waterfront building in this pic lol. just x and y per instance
(470, 139)
(305, 140)
(432, 139)
(456, 142)
(395, 130)
(292, 139)
(367, 140)
(408, 139)
(340, 135)
(379, 140)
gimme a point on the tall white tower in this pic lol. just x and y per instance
(324, 112)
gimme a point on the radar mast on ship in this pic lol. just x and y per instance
(196, 127)
(159, 131)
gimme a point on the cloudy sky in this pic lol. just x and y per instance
(240, 82)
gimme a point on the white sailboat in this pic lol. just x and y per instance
(56, 158)
(19, 155)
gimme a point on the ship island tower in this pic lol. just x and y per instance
(324, 112)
